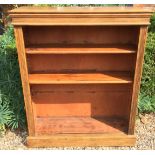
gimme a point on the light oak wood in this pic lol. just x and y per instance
(24, 77)
(82, 49)
(66, 125)
(137, 77)
(87, 78)
(80, 10)
(77, 21)
(89, 16)
(72, 36)
(81, 140)
(82, 100)
(80, 70)
(80, 63)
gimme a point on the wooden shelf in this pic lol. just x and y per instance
(85, 78)
(60, 125)
(81, 49)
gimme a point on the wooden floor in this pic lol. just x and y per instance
(64, 125)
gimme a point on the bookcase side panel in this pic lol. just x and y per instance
(24, 77)
(137, 77)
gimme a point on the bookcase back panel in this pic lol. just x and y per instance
(80, 35)
(81, 100)
(80, 63)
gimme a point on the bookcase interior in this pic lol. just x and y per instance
(81, 108)
(44, 36)
(81, 77)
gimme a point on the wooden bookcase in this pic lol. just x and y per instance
(80, 71)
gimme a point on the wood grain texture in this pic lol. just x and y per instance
(24, 78)
(89, 16)
(79, 63)
(81, 10)
(64, 125)
(82, 100)
(84, 35)
(85, 78)
(82, 49)
(137, 77)
(81, 140)
(80, 71)
(79, 21)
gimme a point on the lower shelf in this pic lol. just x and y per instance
(65, 125)
(81, 140)
(85, 78)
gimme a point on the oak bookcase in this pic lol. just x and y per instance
(80, 70)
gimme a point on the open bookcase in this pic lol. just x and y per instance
(80, 70)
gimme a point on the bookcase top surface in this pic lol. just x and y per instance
(81, 10)
(81, 16)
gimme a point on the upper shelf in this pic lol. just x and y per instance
(82, 49)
